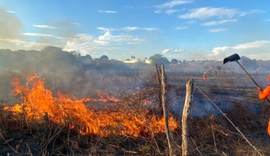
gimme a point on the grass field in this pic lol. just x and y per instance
(129, 122)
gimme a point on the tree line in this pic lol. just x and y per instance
(52, 58)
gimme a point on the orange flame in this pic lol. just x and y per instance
(68, 110)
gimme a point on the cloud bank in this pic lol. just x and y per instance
(257, 50)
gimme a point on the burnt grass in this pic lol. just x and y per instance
(209, 135)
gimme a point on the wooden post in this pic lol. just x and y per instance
(186, 111)
(158, 73)
(164, 103)
(158, 77)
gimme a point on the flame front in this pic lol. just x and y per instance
(38, 103)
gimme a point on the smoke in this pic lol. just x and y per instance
(71, 73)
(11, 27)
(66, 72)
(59, 36)
(13, 35)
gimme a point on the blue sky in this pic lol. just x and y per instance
(181, 29)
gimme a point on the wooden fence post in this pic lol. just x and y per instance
(186, 112)
(158, 77)
(164, 103)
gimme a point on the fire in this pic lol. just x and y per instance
(65, 109)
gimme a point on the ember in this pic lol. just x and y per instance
(66, 109)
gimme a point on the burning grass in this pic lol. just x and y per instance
(43, 124)
(40, 106)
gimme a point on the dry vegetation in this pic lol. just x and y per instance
(75, 109)
(43, 124)
(210, 136)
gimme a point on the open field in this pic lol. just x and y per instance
(135, 95)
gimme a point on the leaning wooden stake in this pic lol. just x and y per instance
(186, 111)
(158, 75)
(165, 111)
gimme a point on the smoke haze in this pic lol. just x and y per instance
(11, 27)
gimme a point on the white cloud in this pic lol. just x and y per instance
(82, 43)
(130, 28)
(107, 11)
(172, 4)
(170, 11)
(45, 26)
(267, 20)
(218, 22)
(12, 12)
(105, 29)
(207, 12)
(166, 51)
(44, 35)
(25, 44)
(181, 28)
(217, 30)
(126, 29)
(108, 38)
(217, 50)
(178, 51)
(256, 50)
(150, 29)
(38, 35)
(255, 44)
(87, 44)
(157, 11)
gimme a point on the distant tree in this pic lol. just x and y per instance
(51, 49)
(174, 61)
(158, 59)
(88, 57)
(104, 57)
(184, 61)
(110, 65)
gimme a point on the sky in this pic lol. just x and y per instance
(180, 29)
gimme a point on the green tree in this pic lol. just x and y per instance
(184, 61)
(86, 57)
(51, 49)
(158, 59)
(104, 57)
(174, 61)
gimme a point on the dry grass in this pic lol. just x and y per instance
(209, 136)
